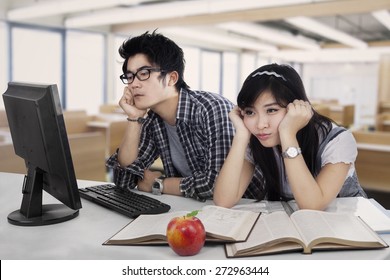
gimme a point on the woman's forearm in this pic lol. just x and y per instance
(230, 183)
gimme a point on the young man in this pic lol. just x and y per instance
(189, 130)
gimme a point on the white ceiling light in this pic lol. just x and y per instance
(218, 38)
(50, 8)
(271, 35)
(219, 6)
(173, 9)
(383, 16)
(326, 31)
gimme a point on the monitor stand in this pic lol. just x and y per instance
(32, 212)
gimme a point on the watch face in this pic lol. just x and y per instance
(292, 152)
(156, 189)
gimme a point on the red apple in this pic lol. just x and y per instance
(186, 235)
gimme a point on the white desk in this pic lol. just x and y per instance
(82, 237)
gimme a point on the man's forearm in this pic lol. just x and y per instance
(128, 150)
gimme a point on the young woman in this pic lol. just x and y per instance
(283, 149)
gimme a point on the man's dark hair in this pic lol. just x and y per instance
(161, 52)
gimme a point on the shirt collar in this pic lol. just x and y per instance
(185, 106)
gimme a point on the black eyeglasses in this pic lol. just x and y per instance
(142, 75)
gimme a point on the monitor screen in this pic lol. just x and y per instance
(39, 137)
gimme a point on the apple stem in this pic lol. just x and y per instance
(193, 213)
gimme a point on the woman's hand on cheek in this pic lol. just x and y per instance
(297, 117)
(236, 116)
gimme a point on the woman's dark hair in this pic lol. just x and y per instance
(160, 51)
(285, 85)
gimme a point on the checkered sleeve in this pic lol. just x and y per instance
(215, 132)
(128, 176)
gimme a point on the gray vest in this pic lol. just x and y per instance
(351, 186)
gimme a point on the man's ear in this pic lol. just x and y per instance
(173, 78)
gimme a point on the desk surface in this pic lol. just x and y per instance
(82, 237)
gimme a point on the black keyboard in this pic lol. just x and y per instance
(123, 201)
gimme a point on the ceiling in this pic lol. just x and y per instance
(293, 30)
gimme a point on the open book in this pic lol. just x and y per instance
(370, 211)
(306, 230)
(221, 225)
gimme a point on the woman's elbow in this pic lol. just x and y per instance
(312, 206)
(223, 202)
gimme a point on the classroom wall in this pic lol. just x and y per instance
(349, 83)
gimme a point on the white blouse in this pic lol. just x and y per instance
(342, 148)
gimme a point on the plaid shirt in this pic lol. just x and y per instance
(206, 134)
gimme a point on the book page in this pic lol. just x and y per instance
(371, 212)
(263, 206)
(220, 224)
(146, 226)
(365, 209)
(314, 224)
(229, 224)
(269, 230)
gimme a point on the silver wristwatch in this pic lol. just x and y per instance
(157, 187)
(292, 152)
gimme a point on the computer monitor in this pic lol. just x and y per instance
(39, 137)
